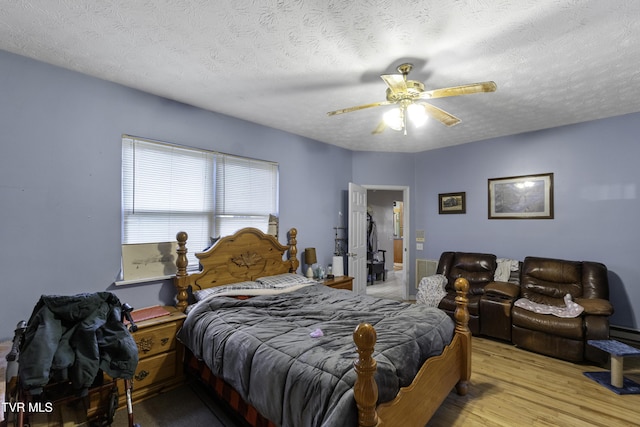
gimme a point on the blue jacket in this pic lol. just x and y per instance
(70, 338)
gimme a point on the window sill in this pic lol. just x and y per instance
(142, 280)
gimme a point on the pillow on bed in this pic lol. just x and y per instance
(231, 289)
(284, 280)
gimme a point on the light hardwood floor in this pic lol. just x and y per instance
(513, 387)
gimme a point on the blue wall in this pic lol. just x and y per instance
(60, 187)
(60, 167)
(596, 186)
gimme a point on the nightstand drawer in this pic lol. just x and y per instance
(156, 340)
(152, 370)
(340, 282)
(344, 285)
(155, 369)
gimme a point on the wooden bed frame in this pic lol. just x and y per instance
(249, 254)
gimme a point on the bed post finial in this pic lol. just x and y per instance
(461, 313)
(365, 390)
(180, 281)
(293, 249)
(461, 316)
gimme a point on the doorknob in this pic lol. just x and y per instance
(351, 254)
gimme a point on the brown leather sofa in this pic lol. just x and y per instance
(547, 281)
(541, 280)
(478, 268)
(495, 309)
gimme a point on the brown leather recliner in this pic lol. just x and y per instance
(478, 268)
(547, 281)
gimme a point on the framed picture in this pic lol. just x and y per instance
(521, 197)
(452, 203)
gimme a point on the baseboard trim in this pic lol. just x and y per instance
(627, 334)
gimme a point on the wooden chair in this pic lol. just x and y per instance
(376, 266)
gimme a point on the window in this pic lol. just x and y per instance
(169, 188)
(246, 194)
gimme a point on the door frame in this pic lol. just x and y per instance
(406, 232)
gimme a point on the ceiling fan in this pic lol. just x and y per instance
(408, 96)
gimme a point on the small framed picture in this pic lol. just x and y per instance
(521, 197)
(452, 203)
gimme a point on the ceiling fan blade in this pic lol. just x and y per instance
(359, 107)
(459, 90)
(440, 115)
(396, 82)
(379, 129)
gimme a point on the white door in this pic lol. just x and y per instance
(357, 253)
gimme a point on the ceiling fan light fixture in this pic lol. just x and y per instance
(394, 118)
(408, 96)
(417, 115)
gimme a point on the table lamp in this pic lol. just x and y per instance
(310, 259)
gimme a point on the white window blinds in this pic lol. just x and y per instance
(246, 193)
(168, 188)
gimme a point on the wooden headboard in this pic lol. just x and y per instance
(246, 255)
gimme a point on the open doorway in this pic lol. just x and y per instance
(387, 211)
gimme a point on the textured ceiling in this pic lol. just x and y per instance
(284, 64)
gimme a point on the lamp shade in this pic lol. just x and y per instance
(417, 114)
(394, 118)
(310, 256)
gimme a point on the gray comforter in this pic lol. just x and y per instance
(262, 347)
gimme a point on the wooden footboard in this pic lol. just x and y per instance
(415, 404)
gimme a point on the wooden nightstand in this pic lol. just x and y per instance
(340, 282)
(160, 355)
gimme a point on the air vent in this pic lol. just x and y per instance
(425, 267)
